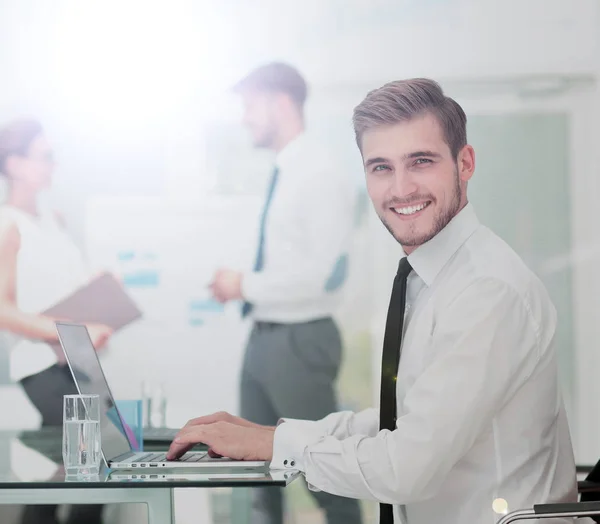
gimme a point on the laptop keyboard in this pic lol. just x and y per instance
(194, 456)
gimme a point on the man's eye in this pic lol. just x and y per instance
(423, 161)
(381, 167)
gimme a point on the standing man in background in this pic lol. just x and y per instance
(294, 352)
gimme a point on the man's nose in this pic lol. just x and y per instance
(403, 184)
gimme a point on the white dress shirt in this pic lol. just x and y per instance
(308, 229)
(480, 415)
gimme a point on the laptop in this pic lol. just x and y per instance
(192, 477)
(118, 440)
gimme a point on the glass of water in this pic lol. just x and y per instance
(81, 434)
(155, 404)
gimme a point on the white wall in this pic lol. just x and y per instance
(366, 42)
(335, 42)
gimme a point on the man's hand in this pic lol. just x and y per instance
(227, 440)
(223, 416)
(227, 285)
(99, 334)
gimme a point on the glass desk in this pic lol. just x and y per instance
(31, 472)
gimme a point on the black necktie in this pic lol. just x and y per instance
(260, 253)
(392, 343)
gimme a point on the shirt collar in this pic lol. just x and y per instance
(430, 258)
(289, 155)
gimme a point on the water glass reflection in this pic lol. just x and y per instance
(155, 404)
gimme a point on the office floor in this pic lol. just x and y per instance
(304, 511)
(10, 514)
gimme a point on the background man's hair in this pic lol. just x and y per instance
(275, 77)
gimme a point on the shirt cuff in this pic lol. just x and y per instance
(250, 287)
(291, 439)
(321, 425)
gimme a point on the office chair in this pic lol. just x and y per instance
(588, 505)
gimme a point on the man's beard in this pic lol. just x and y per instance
(266, 139)
(440, 221)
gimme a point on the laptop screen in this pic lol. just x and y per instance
(90, 380)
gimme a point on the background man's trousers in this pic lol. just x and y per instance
(289, 371)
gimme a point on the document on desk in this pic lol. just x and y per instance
(103, 301)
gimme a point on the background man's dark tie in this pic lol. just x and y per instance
(392, 343)
(260, 253)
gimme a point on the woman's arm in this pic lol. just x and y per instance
(11, 317)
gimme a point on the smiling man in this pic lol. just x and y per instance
(471, 421)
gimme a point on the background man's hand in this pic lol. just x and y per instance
(227, 285)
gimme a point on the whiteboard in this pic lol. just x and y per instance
(166, 252)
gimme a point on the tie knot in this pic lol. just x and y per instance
(404, 268)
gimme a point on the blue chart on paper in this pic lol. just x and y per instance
(139, 269)
(200, 308)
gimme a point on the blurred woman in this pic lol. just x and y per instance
(40, 265)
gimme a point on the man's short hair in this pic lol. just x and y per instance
(275, 77)
(404, 100)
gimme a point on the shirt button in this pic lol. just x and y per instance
(292, 463)
(285, 462)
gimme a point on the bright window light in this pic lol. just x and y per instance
(119, 61)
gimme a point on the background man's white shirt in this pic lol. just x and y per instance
(308, 228)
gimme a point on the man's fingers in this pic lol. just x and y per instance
(180, 445)
(186, 439)
(194, 422)
(220, 297)
(217, 295)
(213, 454)
(197, 430)
(176, 451)
(207, 419)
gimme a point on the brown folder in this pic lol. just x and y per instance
(102, 301)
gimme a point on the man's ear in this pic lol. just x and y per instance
(466, 163)
(11, 163)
